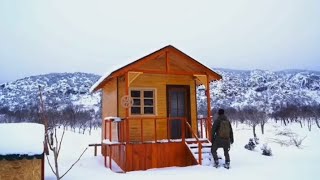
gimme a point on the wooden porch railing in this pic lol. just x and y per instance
(205, 127)
(121, 136)
(198, 141)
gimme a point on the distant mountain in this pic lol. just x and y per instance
(59, 90)
(265, 90)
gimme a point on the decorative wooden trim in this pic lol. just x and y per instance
(133, 75)
(203, 79)
(167, 63)
(196, 63)
(169, 73)
(137, 63)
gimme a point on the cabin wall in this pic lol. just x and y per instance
(109, 107)
(159, 82)
(21, 169)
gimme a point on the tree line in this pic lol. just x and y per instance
(80, 119)
(72, 116)
(306, 116)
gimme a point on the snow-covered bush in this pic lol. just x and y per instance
(266, 150)
(251, 145)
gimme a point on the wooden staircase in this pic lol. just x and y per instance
(205, 149)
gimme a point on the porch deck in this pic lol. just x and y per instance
(140, 152)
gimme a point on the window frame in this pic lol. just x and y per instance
(142, 98)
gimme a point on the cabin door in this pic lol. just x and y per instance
(178, 104)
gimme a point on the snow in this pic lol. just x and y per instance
(112, 118)
(287, 162)
(21, 138)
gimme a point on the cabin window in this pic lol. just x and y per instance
(143, 102)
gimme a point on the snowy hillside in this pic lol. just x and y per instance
(264, 90)
(59, 90)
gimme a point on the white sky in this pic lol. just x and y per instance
(38, 37)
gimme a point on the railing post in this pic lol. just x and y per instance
(110, 165)
(127, 130)
(110, 129)
(105, 155)
(105, 129)
(201, 135)
(168, 132)
(200, 152)
(183, 123)
(155, 129)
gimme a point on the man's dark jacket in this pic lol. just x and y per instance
(218, 141)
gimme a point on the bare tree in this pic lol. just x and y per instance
(53, 143)
(250, 114)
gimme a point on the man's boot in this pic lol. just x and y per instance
(216, 163)
(227, 164)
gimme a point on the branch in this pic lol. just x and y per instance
(74, 163)
(48, 142)
(61, 140)
(50, 165)
(56, 138)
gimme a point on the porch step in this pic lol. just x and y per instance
(205, 152)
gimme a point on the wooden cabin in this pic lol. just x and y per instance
(21, 151)
(149, 110)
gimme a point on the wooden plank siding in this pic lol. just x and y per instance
(109, 103)
(159, 82)
(154, 81)
(151, 155)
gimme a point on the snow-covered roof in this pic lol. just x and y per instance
(113, 68)
(21, 138)
(118, 67)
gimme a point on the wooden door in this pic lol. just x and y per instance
(178, 104)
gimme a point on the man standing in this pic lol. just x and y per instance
(222, 137)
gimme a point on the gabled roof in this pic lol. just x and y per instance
(178, 62)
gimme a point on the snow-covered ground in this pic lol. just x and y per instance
(287, 162)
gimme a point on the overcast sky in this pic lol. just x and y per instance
(39, 37)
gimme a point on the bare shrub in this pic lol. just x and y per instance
(282, 142)
(294, 139)
(297, 141)
(286, 132)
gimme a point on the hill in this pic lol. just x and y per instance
(265, 90)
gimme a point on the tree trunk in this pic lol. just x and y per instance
(284, 121)
(300, 124)
(309, 124)
(317, 122)
(262, 127)
(55, 153)
(254, 130)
